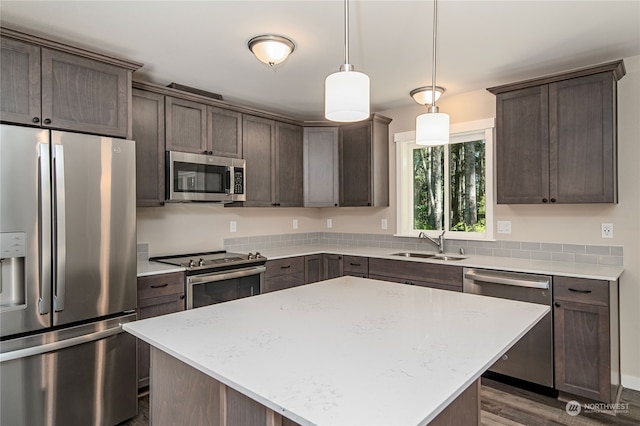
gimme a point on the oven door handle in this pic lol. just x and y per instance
(226, 275)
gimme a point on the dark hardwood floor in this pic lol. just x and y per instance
(506, 405)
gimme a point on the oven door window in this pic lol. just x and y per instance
(200, 178)
(212, 292)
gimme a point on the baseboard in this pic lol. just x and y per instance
(630, 382)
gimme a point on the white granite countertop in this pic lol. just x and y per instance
(346, 351)
(146, 268)
(578, 270)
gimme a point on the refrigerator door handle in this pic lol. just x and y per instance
(56, 346)
(60, 228)
(44, 217)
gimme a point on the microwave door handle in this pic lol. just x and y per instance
(44, 218)
(229, 189)
(60, 229)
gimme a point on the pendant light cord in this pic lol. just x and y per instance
(346, 31)
(433, 73)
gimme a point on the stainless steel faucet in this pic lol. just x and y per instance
(439, 242)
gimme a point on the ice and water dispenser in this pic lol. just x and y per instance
(12, 279)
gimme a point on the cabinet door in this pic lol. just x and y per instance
(258, 146)
(20, 82)
(312, 268)
(582, 139)
(355, 165)
(356, 266)
(186, 126)
(84, 95)
(332, 266)
(321, 179)
(582, 352)
(288, 163)
(224, 132)
(148, 132)
(522, 146)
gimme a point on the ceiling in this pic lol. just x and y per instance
(203, 44)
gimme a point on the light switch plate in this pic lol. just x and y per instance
(329, 223)
(295, 223)
(383, 223)
(504, 227)
(232, 226)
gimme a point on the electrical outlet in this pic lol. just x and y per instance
(504, 227)
(232, 226)
(295, 223)
(607, 230)
(383, 223)
(329, 223)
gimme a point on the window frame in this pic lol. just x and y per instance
(459, 133)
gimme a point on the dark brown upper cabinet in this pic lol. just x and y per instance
(556, 138)
(148, 132)
(224, 132)
(364, 163)
(186, 123)
(273, 152)
(48, 84)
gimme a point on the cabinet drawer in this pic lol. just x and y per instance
(286, 266)
(356, 265)
(160, 285)
(581, 290)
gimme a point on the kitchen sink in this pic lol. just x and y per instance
(409, 254)
(443, 257)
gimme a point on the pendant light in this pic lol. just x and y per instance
(346, 93)
(432, 128)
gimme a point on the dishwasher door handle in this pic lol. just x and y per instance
(499, 279)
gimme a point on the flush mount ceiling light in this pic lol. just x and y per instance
(424, 94)
(271, 49)
(346, 93)
(432, 128)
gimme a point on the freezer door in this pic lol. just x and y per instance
(84, 375)
(94, 224)
(25, 230)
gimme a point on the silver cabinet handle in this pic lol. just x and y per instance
(227, 275)
(542, 283)
(56, 346)
(44, 217)
(60, 253)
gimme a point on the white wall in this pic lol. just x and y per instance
(194, 227)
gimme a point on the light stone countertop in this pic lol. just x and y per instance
(146, 268)
(350, 350)
(578, 270)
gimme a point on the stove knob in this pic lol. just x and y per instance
(258, 255)
(201, 262)
(191, 263)
(251, 256)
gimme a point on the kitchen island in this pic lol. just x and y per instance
(344, 351)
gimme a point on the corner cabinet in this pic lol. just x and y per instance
(586, 337)
(364, 163)
(58, 86)
(556, 138)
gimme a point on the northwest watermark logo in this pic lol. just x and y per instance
(573, 408)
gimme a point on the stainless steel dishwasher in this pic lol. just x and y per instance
(530, 359)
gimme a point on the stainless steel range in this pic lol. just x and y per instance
(218, 276)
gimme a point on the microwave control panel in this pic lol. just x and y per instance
(238, 181)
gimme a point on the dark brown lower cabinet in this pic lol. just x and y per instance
(434, 275)
(312, 268)
(582, 338)
(356, 266)
(332, 266)
(157, 295)
(284, 273)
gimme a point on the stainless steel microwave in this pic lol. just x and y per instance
(201, 177)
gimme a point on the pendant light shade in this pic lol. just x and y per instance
(432, 129)
(346, 92)
(346, 96)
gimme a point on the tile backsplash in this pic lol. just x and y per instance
(556, 252)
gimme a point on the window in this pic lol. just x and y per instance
(447, 187)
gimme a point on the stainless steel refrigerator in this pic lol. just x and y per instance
(68, 282)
